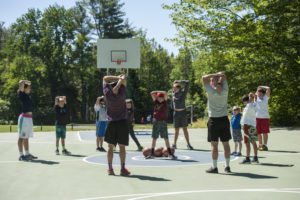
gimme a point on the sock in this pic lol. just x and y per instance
(227, 162)
(152, 151)
(215, 163)
(265, 145)
(26, 153)
(63, 147)
(109, 166)
(169, 150)
(21, 153)
(57, 148)
(123, 166)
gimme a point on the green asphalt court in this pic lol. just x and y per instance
(51, 176)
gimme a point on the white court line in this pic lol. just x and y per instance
(79, 137)
(149, 195)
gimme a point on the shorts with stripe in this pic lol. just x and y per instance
(25, 126)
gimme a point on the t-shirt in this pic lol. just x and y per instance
(115, 103)
(27, 104)
(61, 115)
(160, 111)
(100, 112)
(262, 107)
(235, 121)
(179, 97)
(249, 113)
(217, 103)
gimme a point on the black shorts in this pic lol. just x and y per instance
(117, 132)
(180, 119)
(218, 127)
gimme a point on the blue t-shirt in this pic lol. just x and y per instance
(236, 121)
(27, 105)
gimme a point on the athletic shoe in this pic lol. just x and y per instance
(110, 172)
(150, 156)
(125, 172)
(265, 148)
(23, 158)
(190, 147)
(57, 152)
(66, 152)
(140, 148)
(255, 159)
(246, 161)
(212, 170)
(98, 149)
(227, 169)
(174, 146)
(260, 148)
(172, 156)
(238, 154)
(102, 149)
(31, 157)
(233, 153)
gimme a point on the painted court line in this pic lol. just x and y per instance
(149, 195)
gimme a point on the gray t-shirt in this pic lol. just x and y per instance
(178, 99)
(217, 103)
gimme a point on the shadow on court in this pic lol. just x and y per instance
(45, 162)
(282, 151)
(199, 150)
(146, 178)
(249, 175)
(276, 165)
(76, 155)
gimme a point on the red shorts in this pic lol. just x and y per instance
(262, 126)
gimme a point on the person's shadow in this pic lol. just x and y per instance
(146, 178)
(249, 175)
(74, 155)
(45, 162)
(276, 165)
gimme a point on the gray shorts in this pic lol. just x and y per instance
(237, 135)
(160, 129)
(180, 119)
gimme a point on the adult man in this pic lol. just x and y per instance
(114, 89)
(179, 115)
(218, 124)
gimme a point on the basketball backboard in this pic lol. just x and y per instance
(118, 53)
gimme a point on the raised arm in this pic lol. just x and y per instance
(22, 84)
(121, 81)
(56, 101)
(221, 78)
(153, 95)
(267, 88)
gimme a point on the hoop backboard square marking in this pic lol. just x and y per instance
(118, 55)
(110, 49)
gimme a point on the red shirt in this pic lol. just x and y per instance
(160, 111)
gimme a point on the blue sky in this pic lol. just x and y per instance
(146, 14)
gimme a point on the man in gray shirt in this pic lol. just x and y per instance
(179, 115)
(218, 124)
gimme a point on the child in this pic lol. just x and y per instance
(249, 122)
(262, 116)
(61, 121)
(100, 110)
(25, 124)
(130, 122)
(159, 121)
(236, 130)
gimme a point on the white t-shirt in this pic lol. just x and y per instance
(262, 111)
(102, 112)
(249, 115)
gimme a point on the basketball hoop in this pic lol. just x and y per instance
(119, 62)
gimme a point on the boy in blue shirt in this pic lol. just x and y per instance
(236, 130)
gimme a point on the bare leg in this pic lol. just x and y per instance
(186, 135)
(254, 148)
(248, 149)
(26, 145)
(240, 147)
(57, 142)
(122, 153)
(235, 146)
(259, 139)
(62, 142)
(110, 154)
(214, 150)
(167, 142)
(265, 137)
(97, 141)
(101, 141)
(20, 144)
(226, 150)
(176, 135)
(153, 143)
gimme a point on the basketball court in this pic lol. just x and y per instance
(83, 175)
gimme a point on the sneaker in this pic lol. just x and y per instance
(150, 156)
(57, 152)
(246, 161)
(125, 172)
(233, 153)
(260, 148)
(23, 158)
(140, 148)
(172, 156)
(31, 157)
(265, 148)
(238, 154)
(66, 152)
(110, 172)
(190, 147)
(255, 159)
(102, 149)
(212, 170)
(227, 169)
(98, 149)
(174, 146)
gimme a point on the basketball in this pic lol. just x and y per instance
(146, 151)
(158, 152)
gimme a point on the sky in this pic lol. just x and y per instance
(146, 14)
